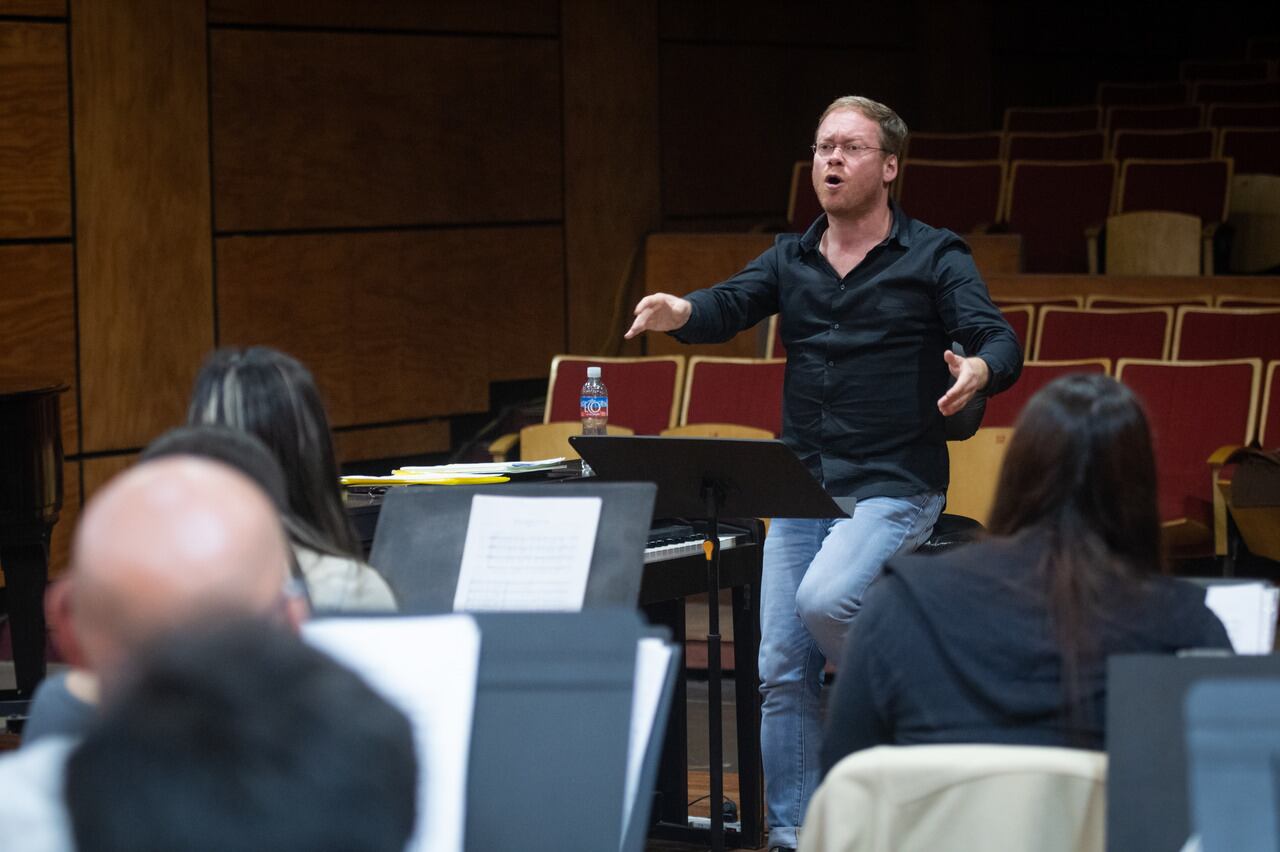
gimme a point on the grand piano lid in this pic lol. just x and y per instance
(17, 386)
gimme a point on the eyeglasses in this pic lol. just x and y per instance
(826, 149)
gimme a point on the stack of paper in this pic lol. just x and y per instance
(410, 476)
(487, 468)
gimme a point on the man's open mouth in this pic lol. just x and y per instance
(833, 180)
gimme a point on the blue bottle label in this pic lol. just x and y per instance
(594, 406)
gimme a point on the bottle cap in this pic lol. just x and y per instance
(593, 372)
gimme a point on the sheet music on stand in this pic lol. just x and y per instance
(1248, 611)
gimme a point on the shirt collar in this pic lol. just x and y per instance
(899, 231)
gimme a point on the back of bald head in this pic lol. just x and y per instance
(168, 543)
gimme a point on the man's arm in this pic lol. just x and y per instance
(715, 314)
(970, 317)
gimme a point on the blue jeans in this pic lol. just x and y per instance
(815, 573)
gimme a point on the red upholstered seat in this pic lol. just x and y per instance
(803, 206)
(1064, 334)
(1020, 319)
(1051, 205)
(1163, 144)
(1196, 187)
(1142, 94)
(644, 393)
(743, 391)
(1193, 407)
(1253, 150)
(962, 196)
(1078, 145)
(954, 146)
(1003, 408)
(1179, 116)
(1051, 119)
(1231, 92)
(1269, 422)
(1237, 69)
(1244, 115)
(1213, 333)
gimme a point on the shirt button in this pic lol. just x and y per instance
(835, 325)
(831, 363)
(841, 286)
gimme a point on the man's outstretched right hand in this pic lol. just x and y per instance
(659, 312)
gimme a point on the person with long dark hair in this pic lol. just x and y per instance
(272, 396)
(1005, 640)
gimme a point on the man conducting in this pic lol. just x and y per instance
(869, 303)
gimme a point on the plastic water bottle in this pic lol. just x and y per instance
(594, 409)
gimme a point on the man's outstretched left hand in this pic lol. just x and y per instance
(971, 376)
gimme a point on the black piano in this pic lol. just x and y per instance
(30, 499)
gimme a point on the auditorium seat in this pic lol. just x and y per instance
(1187, 144)
(1150, 242)
(1101, 300)
(802, 206)
(744, 391)
(1003, 408)
(975, 471)
(1197, 187)
(1254, 216)
(1228, 300)
(1238, 69)
(1172, 117)
(1051, 205)
(773, 347)
(1170, 93)
(551, 440)
(1051, 119)
(1065, 334)
(954, 146)
(1244, 115)
(1233, 92)
(1201, 333)
(644, 393)
(961, 196)
(1020, 319)
(1194, 408)
(969, 796)
(1257, 521)
(1253, 150)
(1076, 145)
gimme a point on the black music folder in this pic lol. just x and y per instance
(422, 530)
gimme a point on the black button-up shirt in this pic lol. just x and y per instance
(864, 352)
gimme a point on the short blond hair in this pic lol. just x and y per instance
(893, 130)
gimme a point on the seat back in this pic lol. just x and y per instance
(1228, 300)
(1003, 408)
(1180, 116)
(1215, 333)
(954, 146)
(1097, 300)
(1236, 92)
(960, 797)
(1196, 187)
(802, 205)
(1255, 220)
(975, 471)
(1051, 119)
(644, 393)
(1051, 205)
(745, 391)
(1077, 145)
(961, 196)
(551, 440)
(1269, 422)
(1020, 318)
(1064, 334)
(1143, 94)
(1188, 144)
(1153, 243)
(1244, 115)
(1193, 408)
(1253, 150)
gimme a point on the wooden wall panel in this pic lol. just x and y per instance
(399, 325)
(803, 22)
(37, 304)
(101, 470)
(41, 8)
(493, 16)
(144, 243)
(380, 442)
(321, 130)
(64, 529)
(736, 117)
(35, 160)
(611, 135)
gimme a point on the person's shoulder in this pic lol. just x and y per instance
(342, 583)
(32, 815)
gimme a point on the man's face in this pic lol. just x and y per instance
(851, 184)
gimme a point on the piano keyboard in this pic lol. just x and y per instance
(661, 550)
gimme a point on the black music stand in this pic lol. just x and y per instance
(706, 479)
